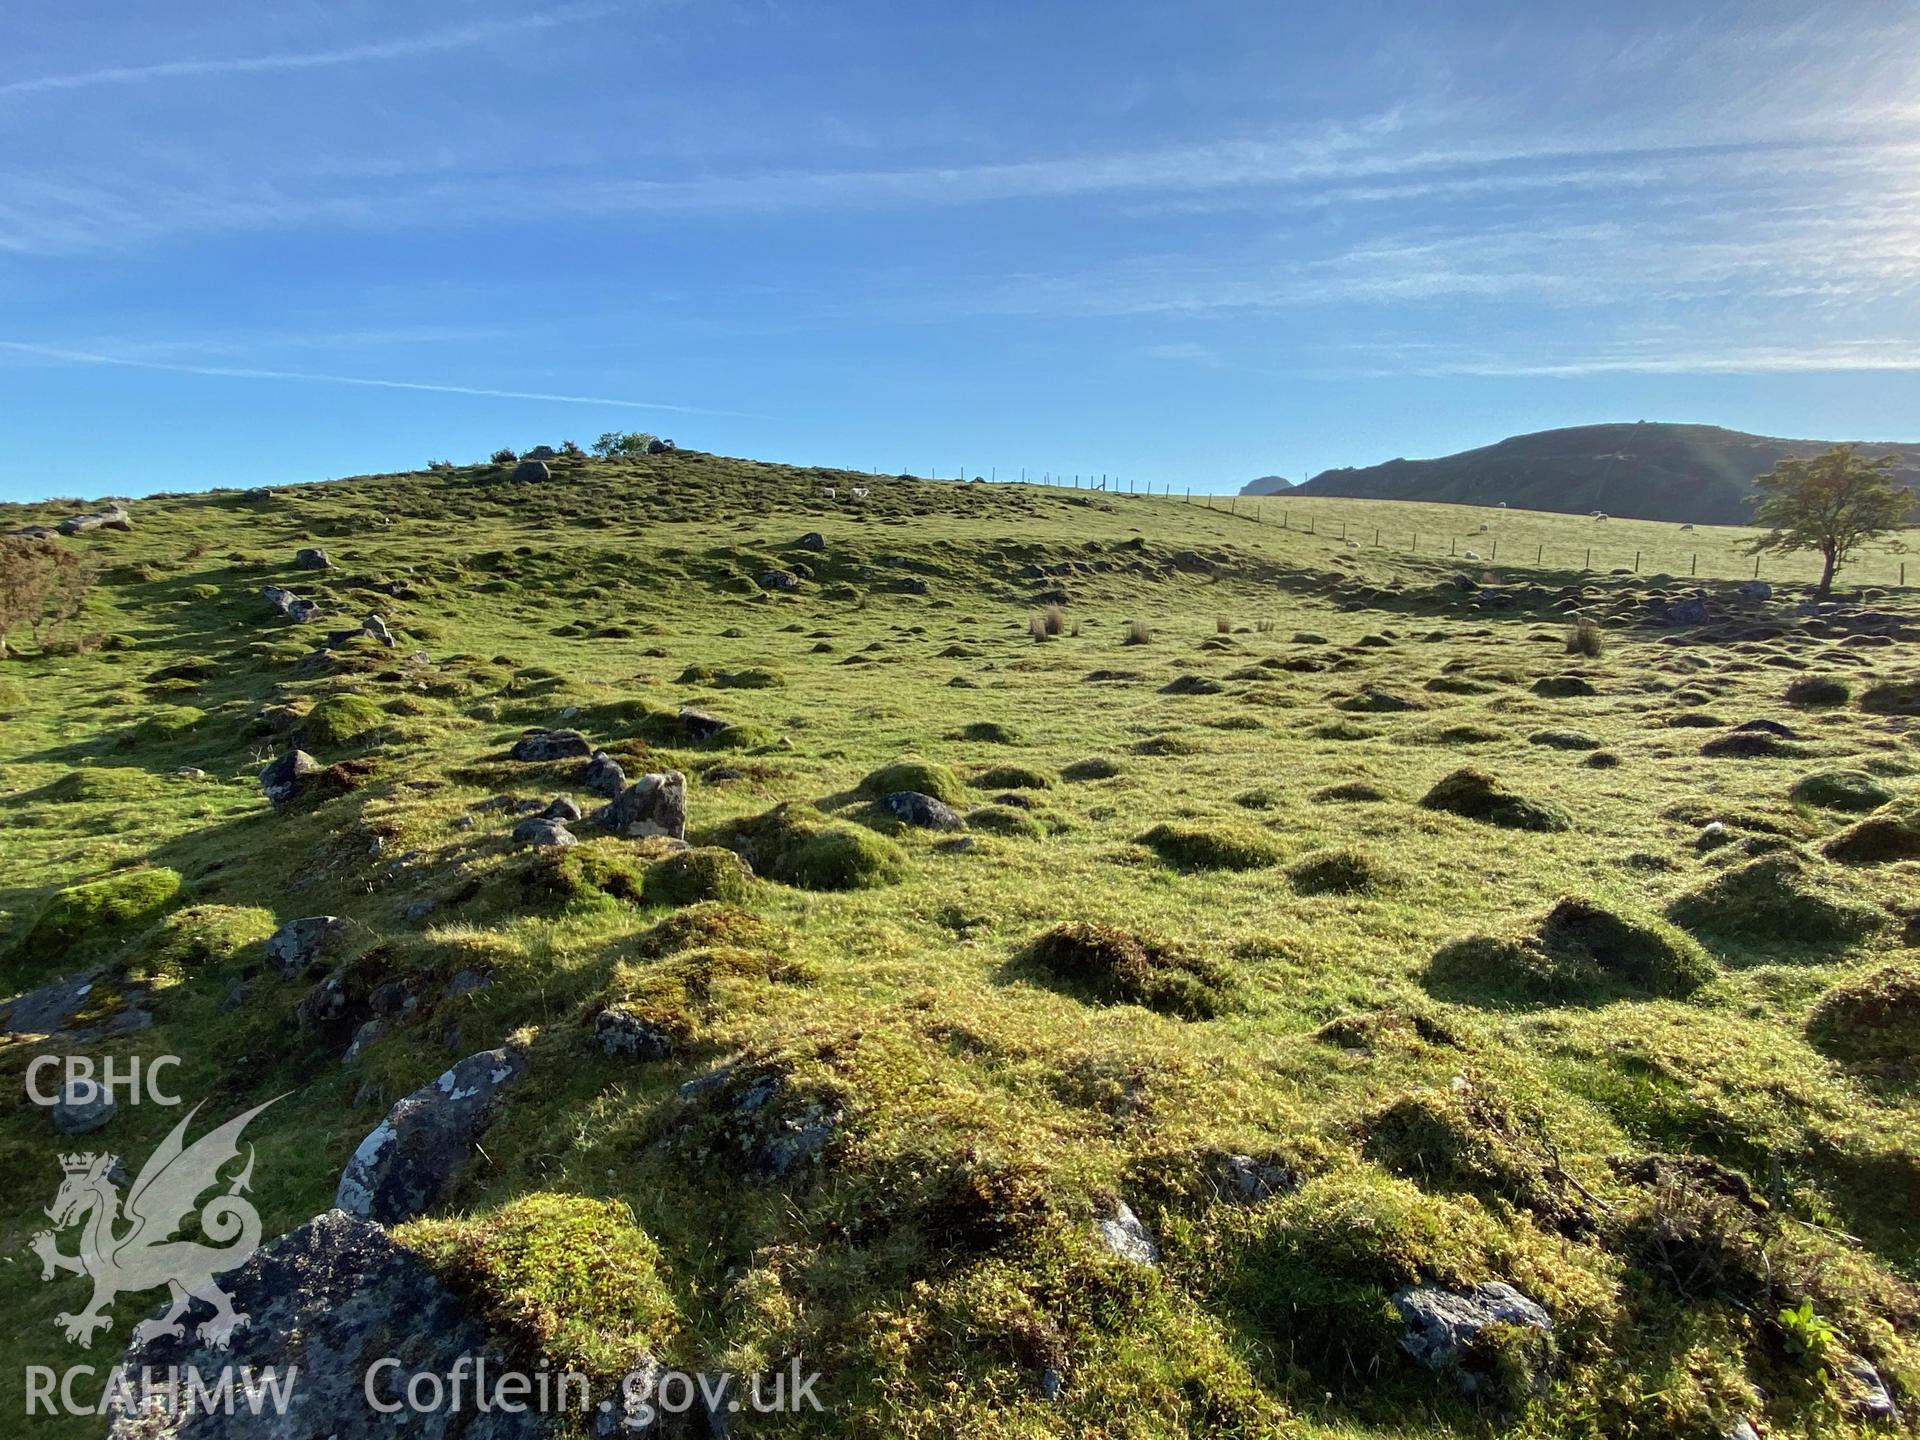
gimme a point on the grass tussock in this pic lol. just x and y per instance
(1118, 967)
(1211, 847)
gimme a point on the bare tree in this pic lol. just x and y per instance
(42, 586)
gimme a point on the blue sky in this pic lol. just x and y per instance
(245, 243)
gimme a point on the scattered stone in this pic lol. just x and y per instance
(298, 946)
(1869, 1399)
(812, 540)
(1126, 1237)
(311, 558)
(912, 808)
(1441, 1325)
(82, 1108)
(1690, 611)
(282, 780)
(604, 776)
(1755, 590)
(621, 1035)
(543, 834)
(409, 1162)
(532, 472)
(779, 580)
(562, 808)
(655, 804)
(541, 744)
(1250, 1181)
(375, 628)
(54, 1009)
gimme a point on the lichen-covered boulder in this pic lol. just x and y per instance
(655, 804)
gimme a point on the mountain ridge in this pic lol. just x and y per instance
(1645, 470)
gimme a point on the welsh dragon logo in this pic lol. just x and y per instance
(133, 1248)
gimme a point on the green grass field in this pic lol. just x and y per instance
(1666, 1112)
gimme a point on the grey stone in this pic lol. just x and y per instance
(376, 628)
(1250, 1181)
(329, 1298)
(532, 471)
(779, 580)
(311, 558)
(409, 1162)
(281, 780)
(604, 776)
(1125, 1236)
(655, 804)
(1441, 1324)
(912, 808)
(467, 980)
(562, 808)
(82, 1108)
(1755, 590)
(299, 945)
(543, 834)
(812, 540)
(624, 1035)
(540, 744)
(53, 1009)
(1690, 611)
(114, 517)
(1870, 1399)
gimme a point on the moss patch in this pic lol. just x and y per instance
(339, 720)
(705, 873)
(797, 845)
(1339, 872)
(1577, 950)
(122, 900)
(1211, 847)
(912, 774)
(1476, 795)
(1115, 966)
(1849, 790)
(1872, 1019)
(1778, 897)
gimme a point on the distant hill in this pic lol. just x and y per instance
(1647, 471)
(1267, 485)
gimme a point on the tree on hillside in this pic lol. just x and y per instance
(42, 586)
(1832, 503)
(622, 442)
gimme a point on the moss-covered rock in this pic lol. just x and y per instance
(912, 774)
(573, 1280)
(118, 902)
(204, 936)
(1475, 795)
(338, 720)
(565, 875)
(705, 924)
(1013, 777)
(797, 845)
(1115, 966)
(705, 873)
(1006, 820)
(1211, 847)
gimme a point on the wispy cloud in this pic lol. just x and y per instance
(371, 52)
(61, 355)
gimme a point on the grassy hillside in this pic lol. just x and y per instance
(1624, 1015)
(1649, 471)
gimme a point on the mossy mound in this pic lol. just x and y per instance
(797, 845)
(1467, 1140)
(924, 776)
(1818, 690)
(988, 732)
(1890, 834)
(1119, 967)
(1892, 697)
(1211, 847)
(120, 901)
(1565, 740)
(706, 924)
(1778, 898)
(1578, 950)
(205, 936)
(1013, 777)
(1850, 790)
(1339, 872)
(167, 722)
(1006, 820)
(704, 873)
(1096, 767)
(1872, 1019)
(1317, 1271)
(1475, 795)
(573, 1280)
(593, 871)
(339, 720)
(1352, 792)
(742, 736)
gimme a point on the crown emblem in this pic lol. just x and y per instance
(81, 1162)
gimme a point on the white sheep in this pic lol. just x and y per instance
(1686, 527)
(1503, 505)
(1600, 517)
(859, 492)
(1472, 555)
(827, 492)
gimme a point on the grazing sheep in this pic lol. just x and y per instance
(1686, 527)
(1503, 505)
(1485, 528)
(858, 492)
(1472, 555)
(1600, 517)
(827, 492)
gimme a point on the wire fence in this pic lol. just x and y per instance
(1535, 539)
